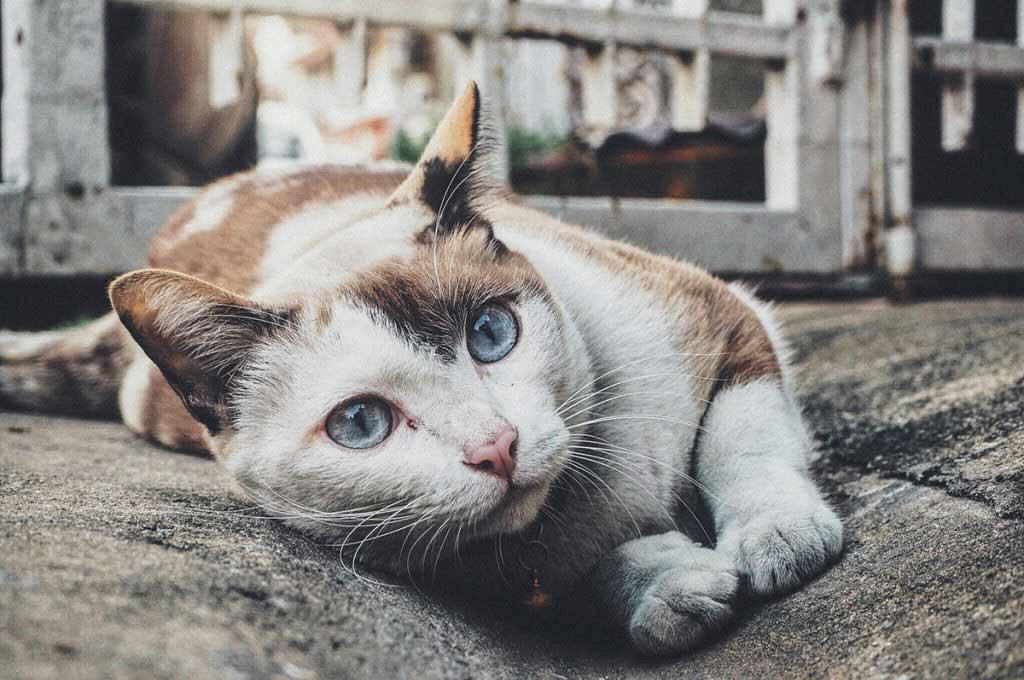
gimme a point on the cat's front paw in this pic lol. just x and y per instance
(684, 605)
(777, 553)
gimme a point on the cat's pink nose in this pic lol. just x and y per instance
(498, 456)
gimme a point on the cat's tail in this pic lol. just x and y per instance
(75, 371)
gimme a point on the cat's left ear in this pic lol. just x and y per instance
(453, 176)
(197, 334)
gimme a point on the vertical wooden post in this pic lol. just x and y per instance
(1020, 90)
(782, 92)
(386, 63)
(480, 59)
(878, 74)
(55, 135)
(690, 76)
(855, 150)
(16, 104)
(899, 241)
(15, 119)
(957, 91)
(226, 40)
(598, 87)
(350, 64)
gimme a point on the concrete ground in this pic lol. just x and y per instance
(121, 560)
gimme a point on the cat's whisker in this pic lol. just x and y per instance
(570, 403)
(613, 465)
(426, 548)
(638, 361)
(625, 507)
(628, 464)
(633, 416)
(599, 441)
(590, 407)
(440, 552)
(625, 465)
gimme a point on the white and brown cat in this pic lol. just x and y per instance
(448, 384)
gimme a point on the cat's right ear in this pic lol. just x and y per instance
(197, 334)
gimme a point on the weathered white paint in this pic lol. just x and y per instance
(225, 63)
(782, 94)
(980, 239)
(816, 141)
(899, 250)
(958, 90)
(878, 69)
(855, 149)
(597, 82)
(350, 63)
(386, 64)
(1020, 90)
(826, 35)
(898, 142)
(690, 75)
(723, 32)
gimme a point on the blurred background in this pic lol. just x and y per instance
(274, 87)
(820, 147)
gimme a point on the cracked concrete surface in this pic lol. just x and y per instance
(118, 559)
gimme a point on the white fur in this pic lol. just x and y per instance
(769, 515)
(453, 407)
(321, 245)
(132, 394)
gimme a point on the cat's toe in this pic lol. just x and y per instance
(683, 607)
(777, 554)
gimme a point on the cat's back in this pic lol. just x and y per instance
(636, 303)
(227, 234)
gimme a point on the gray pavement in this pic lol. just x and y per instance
(118, 559)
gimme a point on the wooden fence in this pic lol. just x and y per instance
(837, 155)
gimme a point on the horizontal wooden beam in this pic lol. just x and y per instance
(725, 237)
(720, 236)
(995, 60)
(969, 238)
(727, 33)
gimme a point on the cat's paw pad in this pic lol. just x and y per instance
(684, 605)
(776, 554)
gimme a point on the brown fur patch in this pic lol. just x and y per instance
(450, 145)
(729, 343)
(229, 254)
(165, 419)
(197, 334)
(429, 298)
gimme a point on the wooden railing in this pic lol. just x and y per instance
(837, 155)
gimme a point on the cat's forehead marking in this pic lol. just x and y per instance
(427, 299)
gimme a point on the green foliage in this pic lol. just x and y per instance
(407, 148)
(523, 145)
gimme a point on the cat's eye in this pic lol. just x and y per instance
(360, 423)
(491, 333)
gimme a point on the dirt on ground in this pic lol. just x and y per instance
(118, 559)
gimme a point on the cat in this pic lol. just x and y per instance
(448, 385)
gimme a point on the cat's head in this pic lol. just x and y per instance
(426, 391)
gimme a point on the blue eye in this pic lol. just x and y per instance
(360, 423)
(491, 333)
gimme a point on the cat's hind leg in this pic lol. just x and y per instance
(669, 593)
(752, 465)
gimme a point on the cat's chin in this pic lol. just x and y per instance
(517, 509)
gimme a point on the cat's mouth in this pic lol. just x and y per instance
(519, 507)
